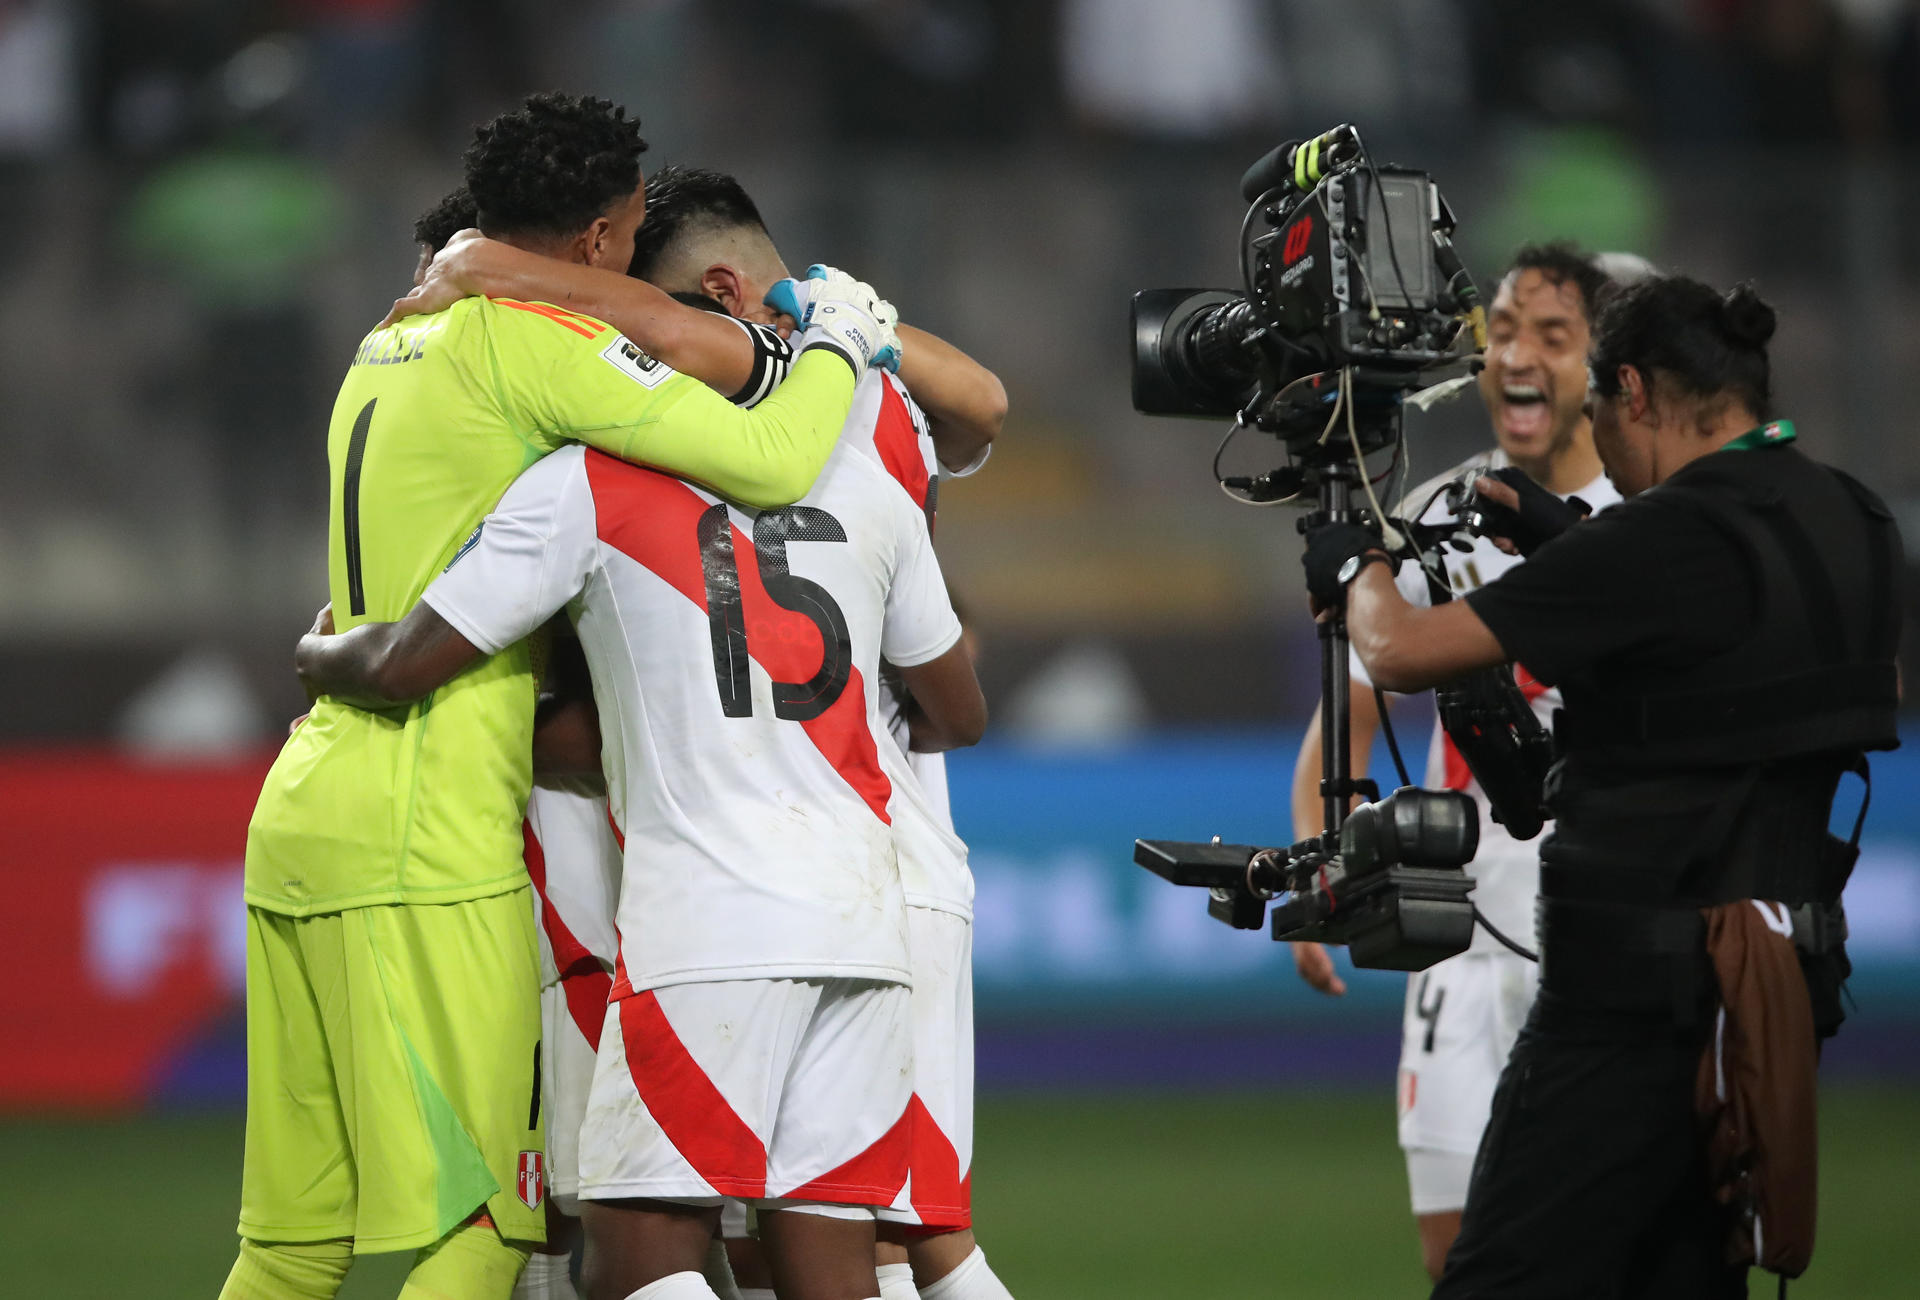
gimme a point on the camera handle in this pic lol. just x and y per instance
(1337, 786)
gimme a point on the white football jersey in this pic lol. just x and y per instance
(1507, 871)
(887, 423)
(735, 659)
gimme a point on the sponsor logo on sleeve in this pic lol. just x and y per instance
(473, 540)
(626, 357)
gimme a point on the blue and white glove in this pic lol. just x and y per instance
(795, 297)
(835, 310)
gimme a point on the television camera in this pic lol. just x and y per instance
(1352, 300)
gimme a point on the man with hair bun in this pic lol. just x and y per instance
(1725, 642)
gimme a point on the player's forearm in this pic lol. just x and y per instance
(692, 341)
(566, 741)
(945, 708)
(927, 734)
(380, 665)
(1309, 816)
(965, 402)
(765, 457)
(352, 667)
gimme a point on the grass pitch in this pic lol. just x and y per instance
(1079, 1197)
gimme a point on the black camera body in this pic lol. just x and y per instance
(1355, 273)
(1388, 884)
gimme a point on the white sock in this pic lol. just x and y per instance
(971, 1280)
(676, 1286)
(546, 1278)
(896, 1282)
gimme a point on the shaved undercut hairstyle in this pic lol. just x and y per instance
(684, 203)
(445, 219)
(553, 166)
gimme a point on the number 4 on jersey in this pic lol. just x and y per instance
(797, 701)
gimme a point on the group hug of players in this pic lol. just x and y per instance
(680, 944)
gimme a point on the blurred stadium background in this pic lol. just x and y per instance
(205, 203)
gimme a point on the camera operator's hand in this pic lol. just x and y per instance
(1517, 513)
(1329, 549)
(1315, 964)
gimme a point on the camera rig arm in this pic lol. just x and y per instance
(1388, 884)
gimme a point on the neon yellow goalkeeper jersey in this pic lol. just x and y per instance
(437, 416)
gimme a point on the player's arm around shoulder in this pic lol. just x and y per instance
(692, 341)
(580, 380)
(381, 665)
(522, 564)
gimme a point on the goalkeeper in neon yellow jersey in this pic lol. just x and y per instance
(392, 980)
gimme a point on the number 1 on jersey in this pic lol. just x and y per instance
(350, 509)
(796, 701)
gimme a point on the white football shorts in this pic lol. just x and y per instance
(756, 1089)
(567, 1058)
(939, 1194)
(1461, 1019)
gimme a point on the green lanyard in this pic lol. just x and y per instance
(1772, 434)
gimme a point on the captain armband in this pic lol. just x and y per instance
(772, 358)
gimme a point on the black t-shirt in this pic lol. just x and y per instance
(1640, 588)
(1645, 588)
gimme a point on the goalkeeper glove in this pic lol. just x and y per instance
(829, 307)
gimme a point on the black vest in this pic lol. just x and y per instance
(1815, 672)
(1715, 782)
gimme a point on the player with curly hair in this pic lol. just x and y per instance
(435, 228)
(392, 1014)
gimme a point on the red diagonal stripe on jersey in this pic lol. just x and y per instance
(938, 1194)
(582, 978)
(683, 1101)
(550, 313)
(898, 442)
(653, 519)
(874, 1177)
(1458, 775)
